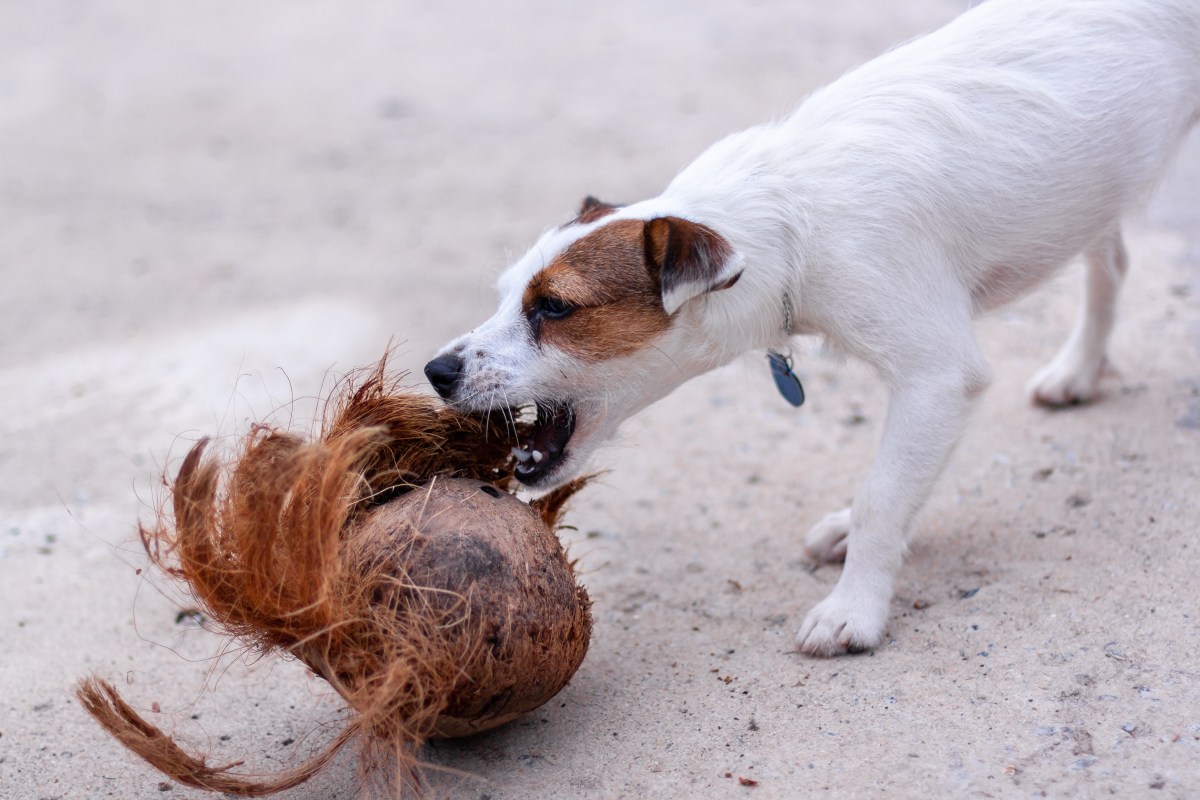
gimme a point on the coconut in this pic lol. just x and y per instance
(391, 558)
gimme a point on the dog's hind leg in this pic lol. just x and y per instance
(1073, 376)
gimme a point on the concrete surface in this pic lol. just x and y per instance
(207, 210)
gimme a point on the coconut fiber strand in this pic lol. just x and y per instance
(389, 556)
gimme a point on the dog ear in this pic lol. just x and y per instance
(592, 209)
(689, 259)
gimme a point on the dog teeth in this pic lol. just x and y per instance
(527, 454)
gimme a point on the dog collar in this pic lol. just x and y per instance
(785, 377)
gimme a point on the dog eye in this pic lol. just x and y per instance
(553, 308)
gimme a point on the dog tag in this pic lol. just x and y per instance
(785, 379)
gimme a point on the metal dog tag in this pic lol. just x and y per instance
(785, 379)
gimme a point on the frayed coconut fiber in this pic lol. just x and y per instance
(390, 557)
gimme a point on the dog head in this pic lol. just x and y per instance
(598, 320)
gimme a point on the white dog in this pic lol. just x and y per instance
(938, 181)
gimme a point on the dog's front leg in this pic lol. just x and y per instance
(925, 417)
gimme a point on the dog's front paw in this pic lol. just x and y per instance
(1066, 381)
(826, 541)
(842, 623)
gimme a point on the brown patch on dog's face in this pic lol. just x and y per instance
(611, 299)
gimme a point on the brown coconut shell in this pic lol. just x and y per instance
(501, 574)
(388, 555)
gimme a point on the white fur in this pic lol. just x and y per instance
(942, 179)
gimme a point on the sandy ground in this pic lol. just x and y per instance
(210, 211)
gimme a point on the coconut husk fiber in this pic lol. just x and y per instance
(388, 554)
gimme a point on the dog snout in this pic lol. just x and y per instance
(444, 373)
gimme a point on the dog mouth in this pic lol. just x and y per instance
(545, 445)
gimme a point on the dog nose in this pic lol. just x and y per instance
(443, 373)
